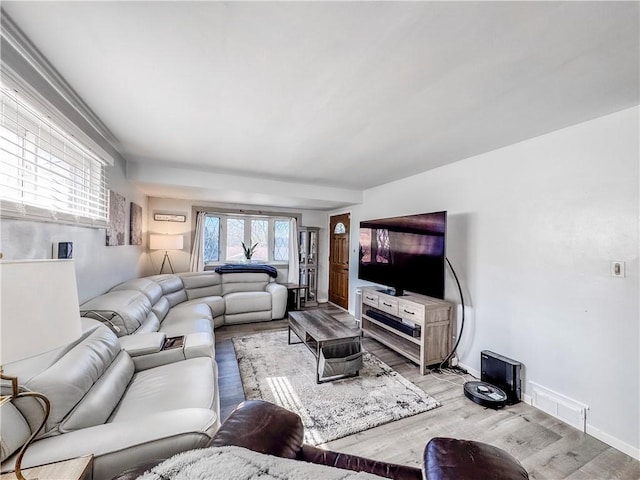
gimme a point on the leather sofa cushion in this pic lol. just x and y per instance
(262, 427)
(149, 288)
(172, 288)
(161, 308)
(176, 298)
(179, 326)
(453, 459)
(127, 309)
(67, 381)
(151, 324)
(247, 317)
(242, 302)
(244, 282)
(202, 284)
(216, 304)
(187, 318)
(193, 308)
(199, 345)
(15, 430)
(96, 406)
(186, 384)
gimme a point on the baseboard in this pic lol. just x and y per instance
(616, 443)
(571, 411)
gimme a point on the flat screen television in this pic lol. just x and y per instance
(405, 253)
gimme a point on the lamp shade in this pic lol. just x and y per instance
(165, 242)
(39, 308)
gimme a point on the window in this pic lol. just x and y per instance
(45, 170)
(281, 240)
(224, 235)
(235, 238)
(340, 229)
(211, 238)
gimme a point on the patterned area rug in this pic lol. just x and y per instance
(284, 374)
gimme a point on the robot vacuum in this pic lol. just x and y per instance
(485, 394)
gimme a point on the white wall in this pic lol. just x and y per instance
(180, 259)
(532, 230)
(98, 267)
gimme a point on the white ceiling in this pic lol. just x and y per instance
(346, 95)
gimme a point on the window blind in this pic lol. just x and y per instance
(46, 172)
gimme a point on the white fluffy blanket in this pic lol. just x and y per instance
(235, 463)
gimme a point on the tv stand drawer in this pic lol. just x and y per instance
(370, 299)
(388, 304)
(411, 311)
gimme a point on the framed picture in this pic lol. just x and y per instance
(169, 217)
(135, 230)
(116, 225)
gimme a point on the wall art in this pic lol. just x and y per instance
(169, 217)
(135, 229)
(117, 216)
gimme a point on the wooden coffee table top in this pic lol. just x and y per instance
(321, 326)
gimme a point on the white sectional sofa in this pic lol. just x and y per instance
(177, 304)
(104, 404)
(142, 381)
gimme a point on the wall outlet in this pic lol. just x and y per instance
(618, 269)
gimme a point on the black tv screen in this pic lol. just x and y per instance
(405, 253)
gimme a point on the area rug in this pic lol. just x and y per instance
(284, 374)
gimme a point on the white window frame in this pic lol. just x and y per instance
(50, 145)
(222, 241)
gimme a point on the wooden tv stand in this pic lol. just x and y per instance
(415, 326)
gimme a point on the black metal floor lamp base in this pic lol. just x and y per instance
(166, 259)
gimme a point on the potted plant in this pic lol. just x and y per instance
(248, 251)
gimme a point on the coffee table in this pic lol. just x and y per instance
(317, 329)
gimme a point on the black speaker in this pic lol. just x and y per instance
(502, 372)
(65, 250)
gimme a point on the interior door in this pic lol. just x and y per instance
(339, 260)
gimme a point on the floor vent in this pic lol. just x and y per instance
(564, 408)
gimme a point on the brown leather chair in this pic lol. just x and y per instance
(267, 428)
(453, 459)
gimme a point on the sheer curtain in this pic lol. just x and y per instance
(197, 250)
(294, 263)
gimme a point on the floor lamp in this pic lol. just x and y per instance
(166, 243)
(39, 313)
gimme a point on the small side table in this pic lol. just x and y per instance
(74, 469)
(297, 291)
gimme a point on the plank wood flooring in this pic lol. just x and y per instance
(546, 447)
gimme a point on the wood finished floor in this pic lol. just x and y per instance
(546, 447)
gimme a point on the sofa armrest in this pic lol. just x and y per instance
(279, 297)
(143, 343)
(189, 346)
(262, 427)
(123, 445)
(359, 464)
(453, 459)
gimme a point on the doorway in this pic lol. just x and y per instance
(339, 229)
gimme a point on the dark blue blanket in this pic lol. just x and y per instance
(247, 268)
